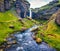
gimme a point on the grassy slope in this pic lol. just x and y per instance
(48, 7)
(54, 37)
(51, 34)
(7, 19)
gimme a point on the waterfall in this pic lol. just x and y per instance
(30, 13)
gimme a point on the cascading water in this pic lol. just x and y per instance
(30, 13)
(25, 42)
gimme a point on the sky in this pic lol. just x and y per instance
(38, 3)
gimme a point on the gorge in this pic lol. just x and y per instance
(23, 28)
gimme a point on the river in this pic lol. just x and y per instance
(25, 42)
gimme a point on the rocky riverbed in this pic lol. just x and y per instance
(23, 41)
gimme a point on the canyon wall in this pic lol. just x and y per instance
(21, 6)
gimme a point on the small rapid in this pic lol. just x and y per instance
(25, 42)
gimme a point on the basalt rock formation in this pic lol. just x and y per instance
(21, 6)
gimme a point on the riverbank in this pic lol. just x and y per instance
(24, 41)
(50, 33)
(10, 24)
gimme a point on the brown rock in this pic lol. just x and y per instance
(38, 40)
(8, 46)
(19, 19)
(9, 43)
(33, 30)
(29, 18)
(23, 29)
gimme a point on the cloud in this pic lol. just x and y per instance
(38, 3)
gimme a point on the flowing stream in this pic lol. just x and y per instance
(25, 42)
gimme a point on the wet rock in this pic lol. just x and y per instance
(38, 40)
(33, 30)
(34, 37)
(2, 46)
(11, 42)
(8, 46)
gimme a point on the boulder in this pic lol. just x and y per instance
(38, 40)
(33, 30)
(11, 42)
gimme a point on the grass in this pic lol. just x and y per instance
(7, 19)
(51, 33)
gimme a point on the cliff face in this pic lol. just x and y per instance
(45, 12)
(21, 6)
(5, 5)
(57, 20)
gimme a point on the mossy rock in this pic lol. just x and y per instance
(19, 19)
(11, 26)
(29, 18)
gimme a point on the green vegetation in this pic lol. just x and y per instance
(50, 33)
(8, 19)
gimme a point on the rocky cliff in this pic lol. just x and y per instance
(57, 20)
(45, 12)
(21, 6)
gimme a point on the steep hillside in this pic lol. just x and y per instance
(50, 32)
(45, 12)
